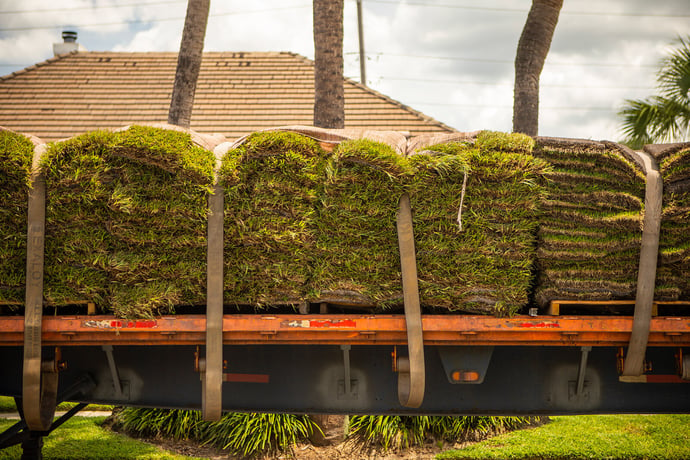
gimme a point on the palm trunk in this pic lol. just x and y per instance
(532, 50)
(329, 97)
(188, 63)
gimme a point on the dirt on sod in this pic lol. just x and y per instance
(674, 243)
(590, 231)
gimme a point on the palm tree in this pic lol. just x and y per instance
(188, 63)
(329, 112)
(665, 117)
(533, 47)
(329, 98)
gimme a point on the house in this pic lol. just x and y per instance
(237, 93)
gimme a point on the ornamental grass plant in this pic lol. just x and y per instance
(126, 220)
(398, 432)
(240, 433)
(16, 154)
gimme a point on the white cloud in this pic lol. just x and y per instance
(452, 63)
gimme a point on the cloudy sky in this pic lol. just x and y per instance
(451, 59)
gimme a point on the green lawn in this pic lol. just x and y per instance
(7, 405)
(83, 438)
(611, 437)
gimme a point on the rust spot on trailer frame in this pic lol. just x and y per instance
(540, 324)
(320, 323)
(121, 324)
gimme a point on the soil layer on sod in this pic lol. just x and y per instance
(16, 155)
(673, 270)
(126, 220)
(590, 229)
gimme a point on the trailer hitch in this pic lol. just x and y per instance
(411, 370)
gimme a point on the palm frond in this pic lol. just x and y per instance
(674, 76)
(666, 116)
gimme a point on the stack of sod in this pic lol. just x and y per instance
(270, 184)
(476, 254)
(590, 233)
(126, 220)
(357, 258)
(673, 279)
(16, 153)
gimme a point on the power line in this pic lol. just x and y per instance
(147, 21)
(507, 107)
(523, 10)
(507, 61)
(543, 85)
(93, 7)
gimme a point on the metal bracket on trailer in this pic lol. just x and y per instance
(411, 370)
(633, 367)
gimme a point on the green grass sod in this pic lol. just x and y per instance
(590, 230)
(486, 266)
(609, 437)
(82, 438)
(16, 153)
(356, 258)
(126, 220)
(270, 198)
(674, 242)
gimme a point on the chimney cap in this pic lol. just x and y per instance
(69, 36)
(69, 45)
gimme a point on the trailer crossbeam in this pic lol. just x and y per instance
(315, 329)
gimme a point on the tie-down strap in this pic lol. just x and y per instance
(411, 371)
(646, 276)
(212, 370)
(39, 381)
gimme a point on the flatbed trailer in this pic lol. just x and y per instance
(547, 362)
(345, 363)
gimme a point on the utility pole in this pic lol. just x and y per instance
(362, 57)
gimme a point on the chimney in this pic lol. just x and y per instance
(69, 43)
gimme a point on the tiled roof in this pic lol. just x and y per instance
(237, 93)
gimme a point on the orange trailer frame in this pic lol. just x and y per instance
(265, 329)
